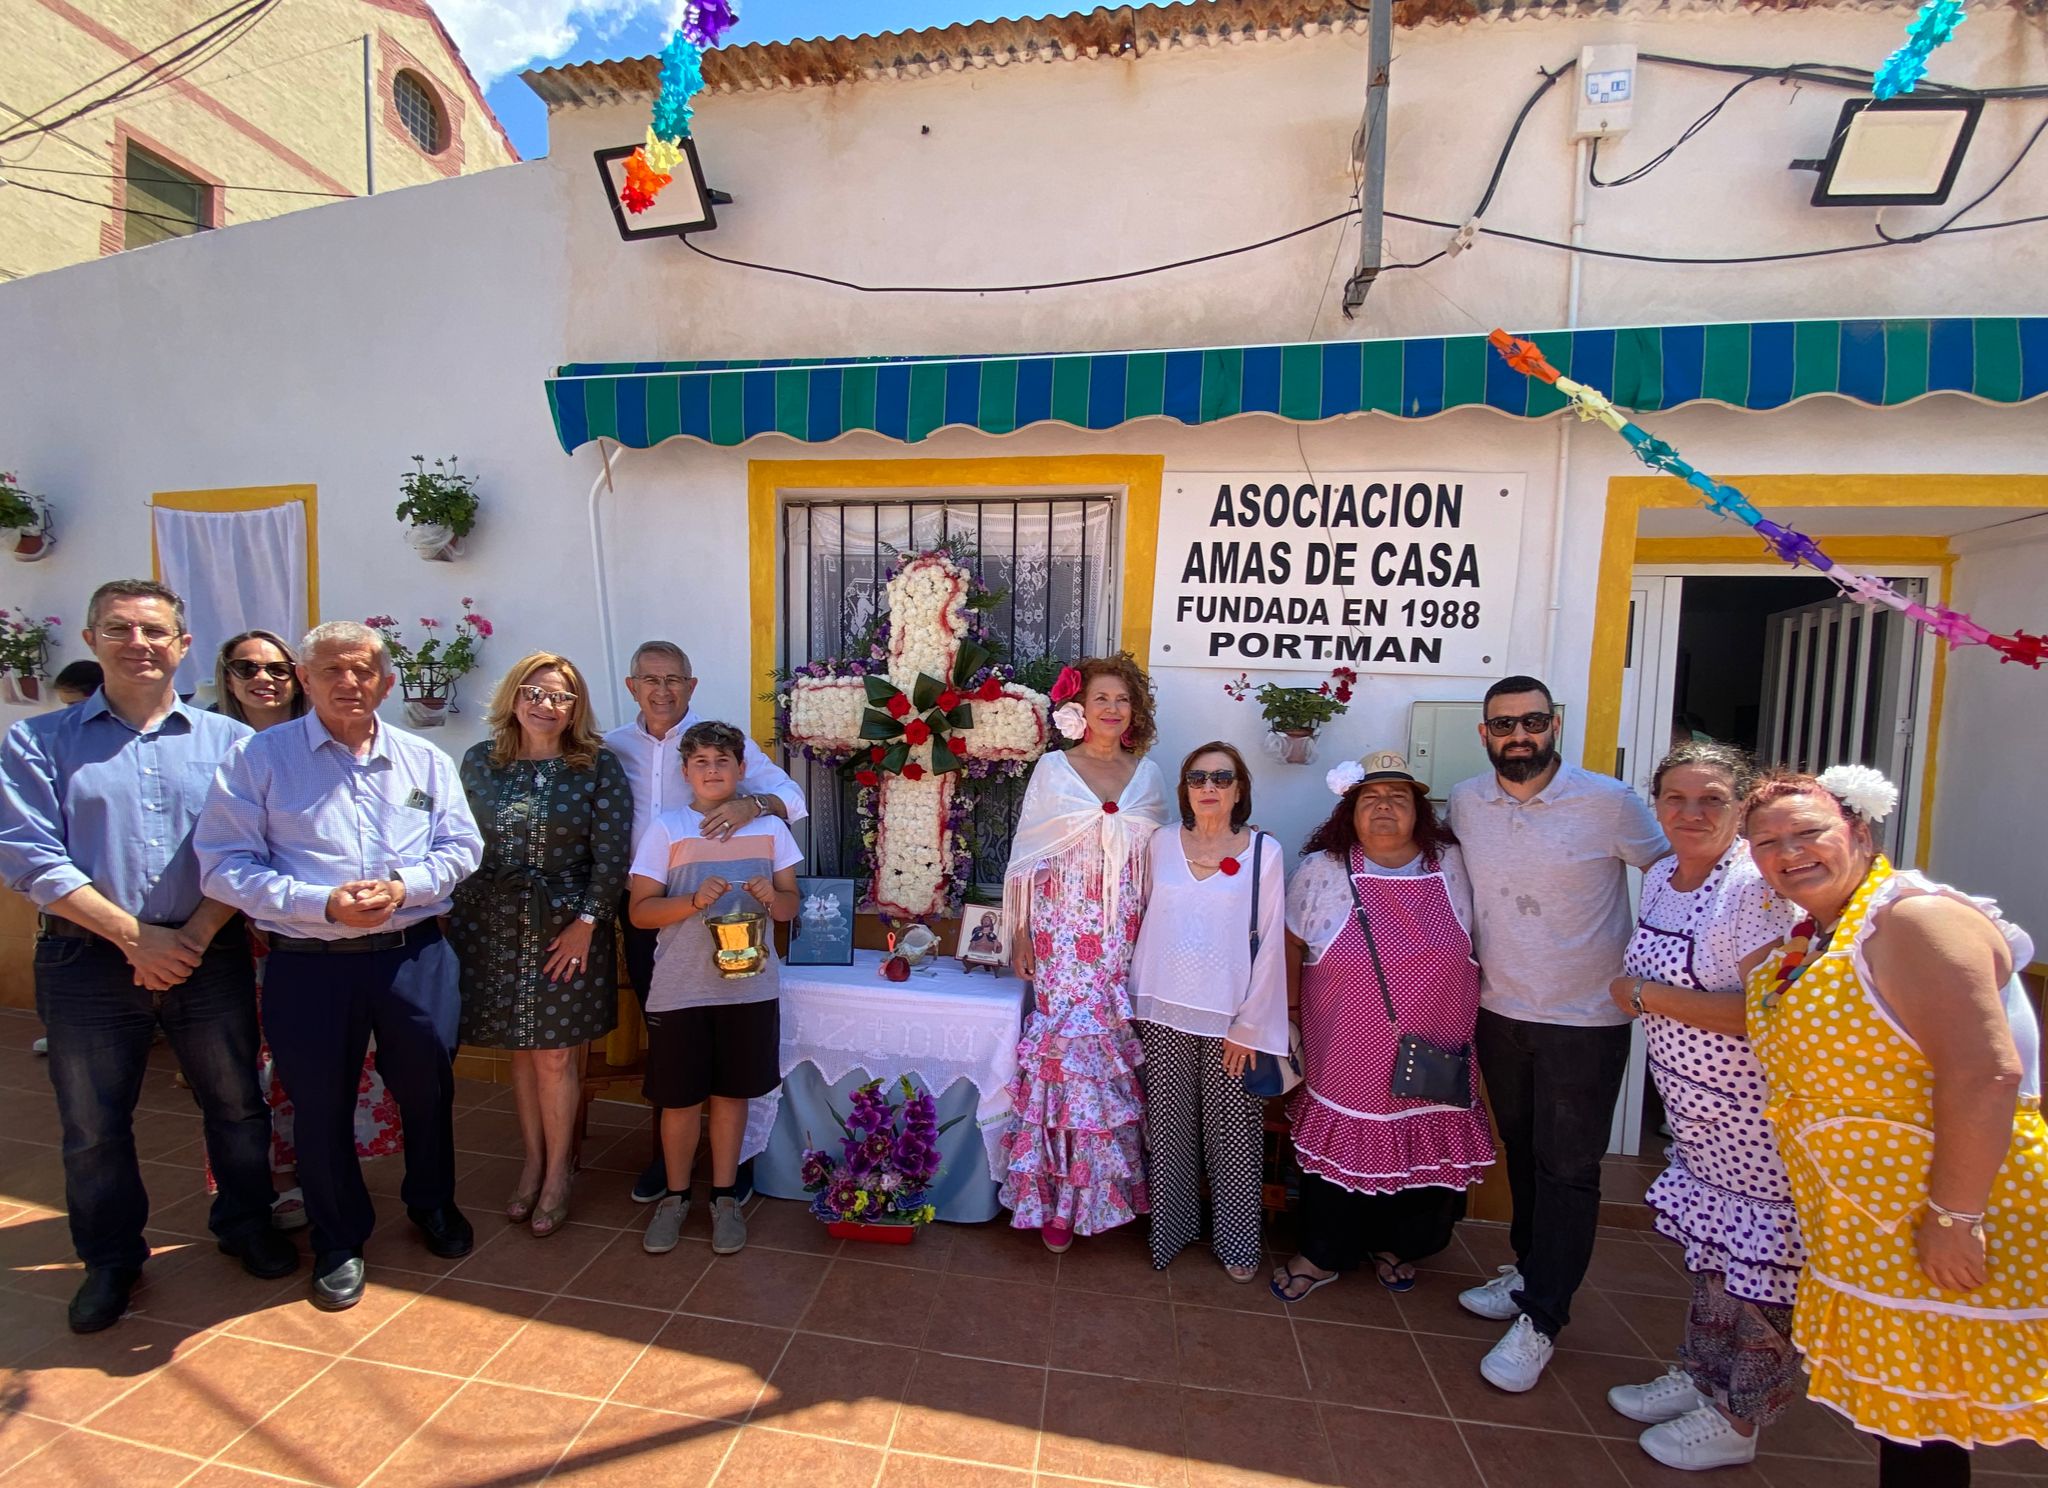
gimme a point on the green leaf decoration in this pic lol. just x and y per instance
(970, 659)
(925, 691)
(894, 761)
(961, 717)
(879, 689)
(875, 724)
(944, 761)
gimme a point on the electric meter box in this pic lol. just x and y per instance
(1607, 91)
(1444, 746)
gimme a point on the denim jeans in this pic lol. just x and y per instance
(100, 1027)
(1552, 1088)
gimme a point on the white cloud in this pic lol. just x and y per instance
(499, 37)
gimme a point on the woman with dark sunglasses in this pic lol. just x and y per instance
(1204, 1004)
(255, 679)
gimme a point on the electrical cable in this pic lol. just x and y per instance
(51, 170)
(185, 222)
(2004, 176)
(224, 44)
(1629, 178)
(1500, 163)
(113, 72)
(1748, 258)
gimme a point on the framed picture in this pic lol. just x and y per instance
(983, 941)
(822, 933)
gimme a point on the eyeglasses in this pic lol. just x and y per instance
(536, 696)
(1222, 779)
(249, 671)
(156, 635)
(1528, 723)
(669, 684)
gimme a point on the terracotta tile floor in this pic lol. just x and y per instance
(970, 1357)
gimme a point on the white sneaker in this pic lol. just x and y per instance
(1517, 1361)
(41, 1046)
(1665, 1398)
(1697, 1440)
(1492, 1299)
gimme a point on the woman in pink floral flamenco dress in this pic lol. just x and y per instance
(1074, 894)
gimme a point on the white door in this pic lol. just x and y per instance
(1841, 686)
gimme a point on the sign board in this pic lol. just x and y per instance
(1403, 571)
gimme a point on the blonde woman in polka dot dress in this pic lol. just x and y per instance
(1904, 1066)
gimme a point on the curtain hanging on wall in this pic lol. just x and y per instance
(240, 570)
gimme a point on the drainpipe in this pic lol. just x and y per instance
(369, 121)
(1373, 128)
(603, 587)
(1581, 157)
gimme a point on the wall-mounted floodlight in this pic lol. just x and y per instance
(684, 205)
(1900, 152)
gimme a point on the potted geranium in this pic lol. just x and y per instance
(439, 507)
(1295, 715)
(874, 1190)
(427, 674)
(24, 521)
(24, 655)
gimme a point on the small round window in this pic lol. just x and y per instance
(419, 111)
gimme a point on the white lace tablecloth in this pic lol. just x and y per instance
(939, 1027)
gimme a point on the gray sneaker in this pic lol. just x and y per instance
(728, 1227)
(665, 1226)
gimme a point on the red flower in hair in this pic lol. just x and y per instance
(916, 731)
(897, 706)
(913, 771)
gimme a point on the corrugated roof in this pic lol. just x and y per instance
(1109, 31)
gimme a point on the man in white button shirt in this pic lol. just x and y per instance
(1547, 846)
(662, 682)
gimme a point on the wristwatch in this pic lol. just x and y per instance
(1635, 996)
(587, 917)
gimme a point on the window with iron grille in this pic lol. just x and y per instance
(418, 110)
(161, 200)
(1051, 561)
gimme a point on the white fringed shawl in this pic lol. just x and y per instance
(1060, 811)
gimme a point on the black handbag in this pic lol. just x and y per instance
(1269, 1075)
(1422, 1070)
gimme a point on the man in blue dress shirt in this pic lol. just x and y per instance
(342, 837)
(100, 804)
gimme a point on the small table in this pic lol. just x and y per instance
(954, 1031)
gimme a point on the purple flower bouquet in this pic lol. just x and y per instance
(888, 1159)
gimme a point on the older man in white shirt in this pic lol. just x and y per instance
(662, 682)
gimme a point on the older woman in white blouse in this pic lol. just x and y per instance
(1205, 1005)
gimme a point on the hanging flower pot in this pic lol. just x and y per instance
(24, 656)
(22, 692)
(1295, 715)
(1295, 746)
(427, 674)
(426, 712)
(439, 508)
(25, 529)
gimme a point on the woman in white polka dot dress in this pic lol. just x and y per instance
(1725, 1196)
(1904, 1064)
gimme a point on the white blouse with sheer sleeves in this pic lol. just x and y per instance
(1192, 969)
(1319, 900)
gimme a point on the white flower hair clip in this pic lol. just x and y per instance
(1068, 718)
(1342, 777)
(1861, 789)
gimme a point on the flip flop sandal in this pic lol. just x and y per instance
(1281, 1290)
(1390, 1275)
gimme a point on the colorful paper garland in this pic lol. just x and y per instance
(1796, 548)
(1936, 23)
(652, 166)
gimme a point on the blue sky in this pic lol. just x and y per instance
(502, 38)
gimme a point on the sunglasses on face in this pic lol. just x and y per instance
(249, 671)
(537, 696)
(1528, 723)
(1221, 779)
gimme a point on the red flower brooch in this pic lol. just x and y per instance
(1228, 867)
(1109, 808)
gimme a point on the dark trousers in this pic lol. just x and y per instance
(319, 1012)
(1339, 1228)
(100, 1027)
(1200, 1123)
(1934, 1464)
(1552, 1089)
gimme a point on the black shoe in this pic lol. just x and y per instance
(652, 1182)
(337, 1281)
(263, 1253)
(102, 1298)
(743, 1185)
(447, 1233)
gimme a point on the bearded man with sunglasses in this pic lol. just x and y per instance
(1547, 846)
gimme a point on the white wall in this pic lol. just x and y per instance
(1994, 737)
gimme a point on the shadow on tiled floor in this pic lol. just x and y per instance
(970, 1357)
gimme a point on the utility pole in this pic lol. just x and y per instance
(1373, 155)
(369, 120)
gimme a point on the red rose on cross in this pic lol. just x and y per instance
(989, 691)
(948, 700)
(877, 754)
(913, 771)
(898, 705)
(867, 777)
(916, 731)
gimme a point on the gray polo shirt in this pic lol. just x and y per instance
(1550, 891)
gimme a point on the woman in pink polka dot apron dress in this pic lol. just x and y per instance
(1382, 1176)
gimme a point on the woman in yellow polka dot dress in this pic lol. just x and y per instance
(1904, 1066)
